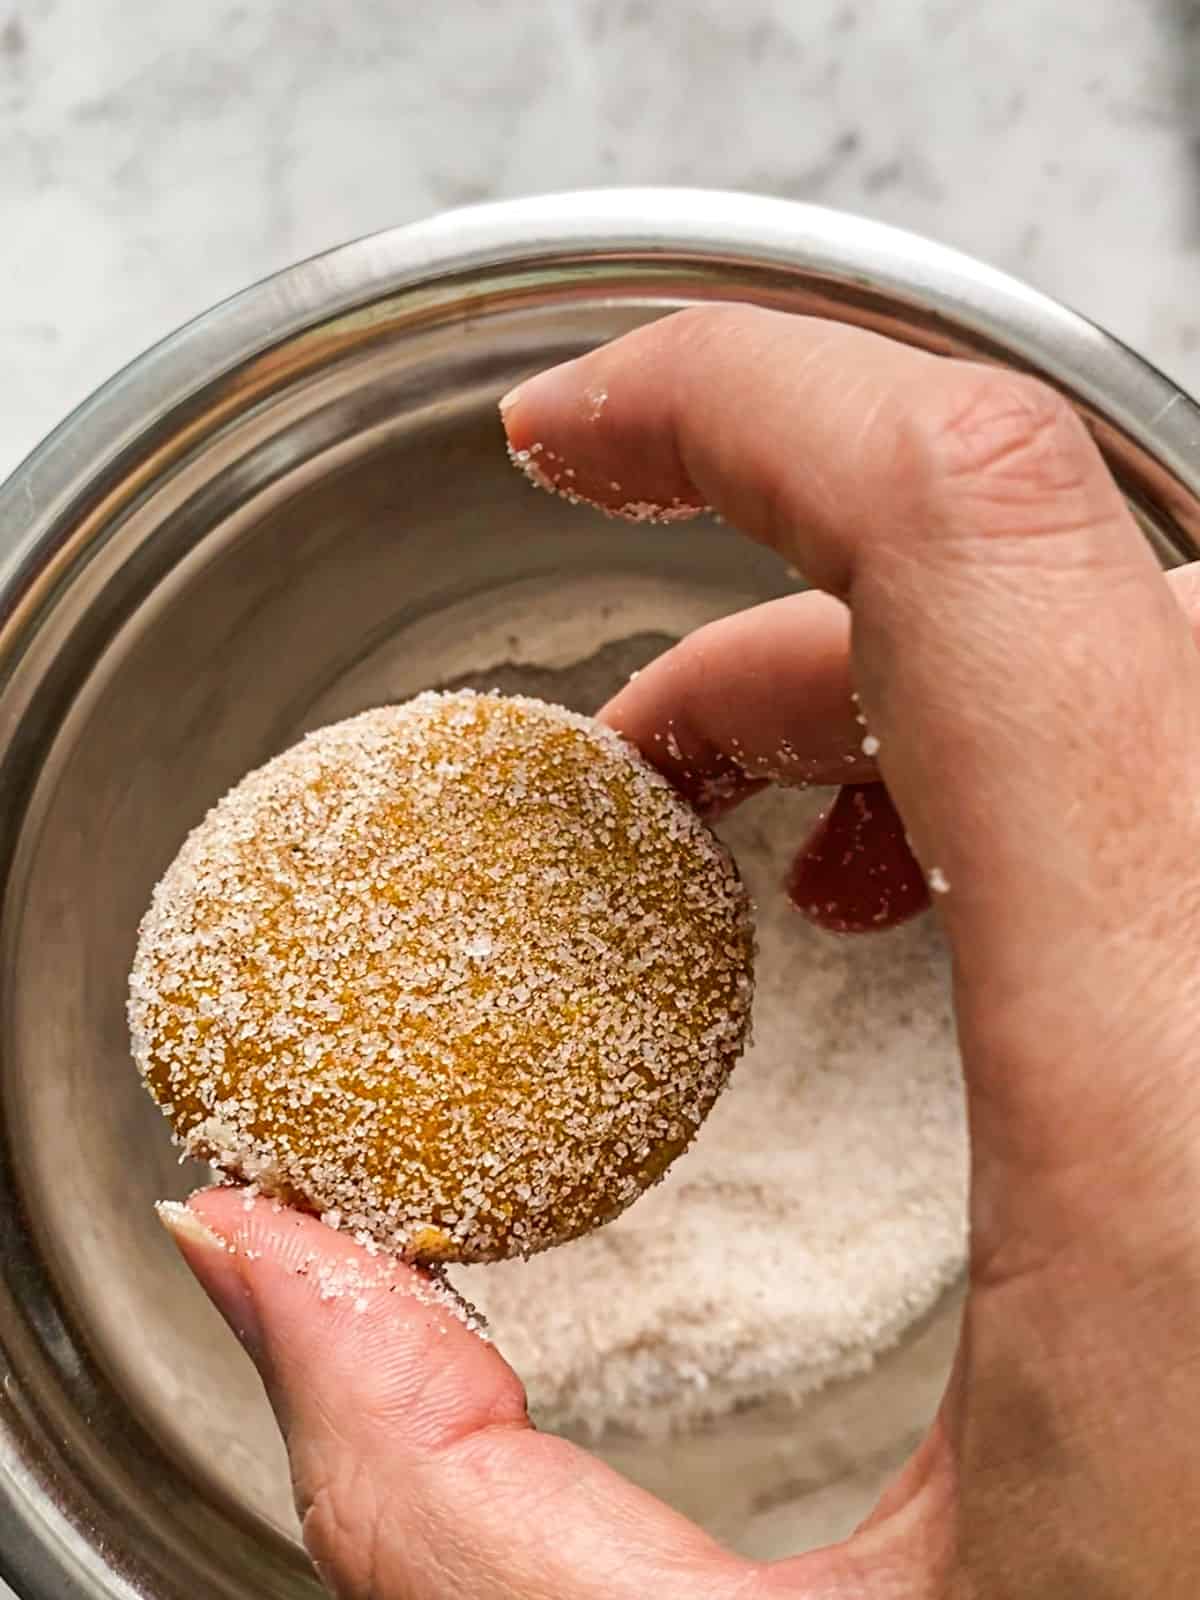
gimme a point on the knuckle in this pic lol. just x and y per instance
(697, 328)
(1004, 456)
(495, 1407)
(340, 1529)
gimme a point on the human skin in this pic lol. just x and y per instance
(1034, 685)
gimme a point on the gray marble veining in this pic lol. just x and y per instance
(156, 156)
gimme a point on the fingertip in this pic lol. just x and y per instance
(508, 404)
(565, 434)
(331, 1268)
(326, 1318)
(186, 1227)
(212, 1254)
(856, 873)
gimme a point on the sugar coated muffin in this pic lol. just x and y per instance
(463, 975)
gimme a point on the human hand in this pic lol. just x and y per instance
(1034, 686)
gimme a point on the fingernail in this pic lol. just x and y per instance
(509, 400)
(547, 388)
(218, 1267)
(186, 1228)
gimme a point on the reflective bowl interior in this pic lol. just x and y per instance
(329, 523)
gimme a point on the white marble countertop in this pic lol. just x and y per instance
(157, 155)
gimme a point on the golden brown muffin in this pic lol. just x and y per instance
(463, 975)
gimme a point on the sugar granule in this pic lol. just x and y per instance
(462, 976)
(819, 1214)
(347, 1278)
(561, 480)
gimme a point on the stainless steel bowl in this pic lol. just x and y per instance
(294, 507)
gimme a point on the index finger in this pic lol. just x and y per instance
(1009, 627)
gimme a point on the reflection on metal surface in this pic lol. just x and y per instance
(297, 506)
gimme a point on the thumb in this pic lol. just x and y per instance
(416, 1470)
